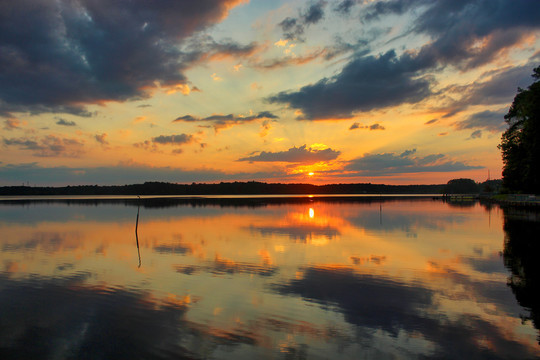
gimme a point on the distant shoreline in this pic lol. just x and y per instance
(229, 188)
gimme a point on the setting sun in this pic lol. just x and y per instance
(311, 174)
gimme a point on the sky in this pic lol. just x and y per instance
(336, 91)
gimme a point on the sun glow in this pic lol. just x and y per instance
(311, 173)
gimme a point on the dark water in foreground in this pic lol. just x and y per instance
(268, 280)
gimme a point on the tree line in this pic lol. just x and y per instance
(520, 143)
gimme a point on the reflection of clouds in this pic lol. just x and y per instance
(378, 303)
(491, 264)
(365, 299)
(301, 233)
(390, 219)
(375, 259)
(45, 241)
(228, 267)
(172, 249)
(65, 319)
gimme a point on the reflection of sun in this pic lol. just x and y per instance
(311, 174)
(311, 213)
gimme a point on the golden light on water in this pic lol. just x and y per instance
(311, 213)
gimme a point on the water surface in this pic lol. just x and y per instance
(264, 278)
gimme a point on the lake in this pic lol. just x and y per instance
(267, 278)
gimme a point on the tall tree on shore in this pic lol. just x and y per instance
(520, 143)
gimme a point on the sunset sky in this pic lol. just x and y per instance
(397, 91)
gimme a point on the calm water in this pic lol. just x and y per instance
(267, 279)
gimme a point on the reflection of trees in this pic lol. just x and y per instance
(521, 250)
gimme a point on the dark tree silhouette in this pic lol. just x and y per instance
(520, 143)
(461, 186)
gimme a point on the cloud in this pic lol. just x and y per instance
(407, 153)
(364, 84)
(220, 122)
(48, 146)
(326, 53)
(64, 122)
(101, 138)
(488, 120)
(432, 121)
(392, 163)
(173, 139)
(186, 118)
(314, 13)
(293, 28)
(375, 126)
(215, 77)
(476, 134)
(345, 6)
(11, 124)
(498, 87)
(72, 53)
(465, 35)
(301, 154)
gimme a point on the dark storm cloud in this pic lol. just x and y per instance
(464, 34)
(48, 146)
(364, 84)
(391, 163)
(300, 154)
(57, 56)
(293, 28)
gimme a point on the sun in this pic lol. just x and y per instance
(311, 173)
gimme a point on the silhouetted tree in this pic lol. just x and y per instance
(520, 143)
(461, 186)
